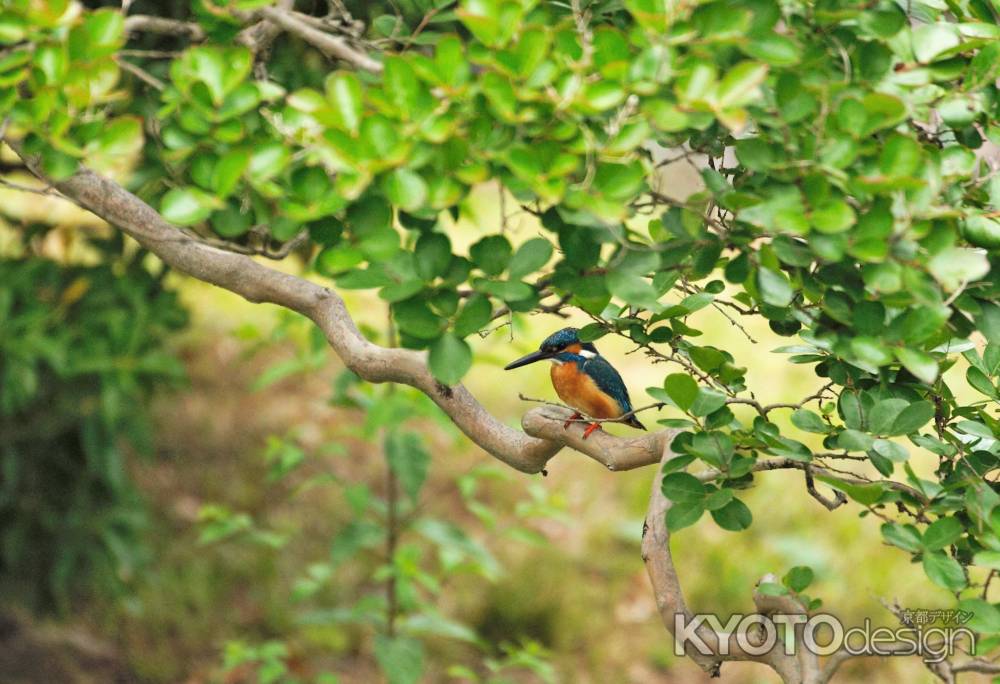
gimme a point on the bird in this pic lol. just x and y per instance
(583, 379)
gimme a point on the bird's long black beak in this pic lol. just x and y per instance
(530, 358)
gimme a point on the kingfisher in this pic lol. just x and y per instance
(583, 379)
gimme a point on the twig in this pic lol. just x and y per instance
(839, 498)
(762, 465)
(250, 250)
(764, 410)
(624, 416)
(582, 21)
(47, 190)
(142, 23)
(957, 293)
(332, 46)
(140, 73)
(732, 320)
(149, 54)
(687, 154)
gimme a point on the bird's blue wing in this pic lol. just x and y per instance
(608, 380)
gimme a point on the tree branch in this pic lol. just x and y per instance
(330, 45)
(527, 451)
(143, 23)
(790, 464)
(801, 668)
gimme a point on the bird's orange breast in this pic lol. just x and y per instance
(579, 390)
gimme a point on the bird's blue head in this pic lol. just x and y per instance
(562, 341)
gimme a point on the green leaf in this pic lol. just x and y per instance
(923, 366)
(798, 578)
(369, 216)
(450, 359)
(774, 287)
(930, 40)
(474, 316)
(529, 257)
(883, 415)
(774, 49)
(684, 514)
(807, 420)
(755, 154)
(451, 64)
(739, 85)
(58, 165)
(833, 216)
(491, 254)
(682, 487)
(944, 570)
(985, 617)
(415, 318)
(406, 189)
(906, 537)
(401, 659)
(220, 69)
(267, 161)
(982, 231)
(228, 170)
(432, 623)
(957, 266)
(631, 288)
(707, 401)
(402, 86)
(397, 292)
(432, 255)
(987, 559)
(338, 258)
(682, 390)
(855, 440)
(500, 94)
(715, 448)
(890, 450)
(230, 222)
(105, 33)
(942, 532)
(913, 417)
(409, 461)
(602, 95)
(343, 91)
(734, 516)
(718, 499)
(978, 381)
(884, 23)
(772, 589)
(185, 206)
(866, 495)
(901, 156)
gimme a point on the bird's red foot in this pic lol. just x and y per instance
(575, 416)
(590, 429)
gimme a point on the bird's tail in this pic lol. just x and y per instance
(634, 422)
